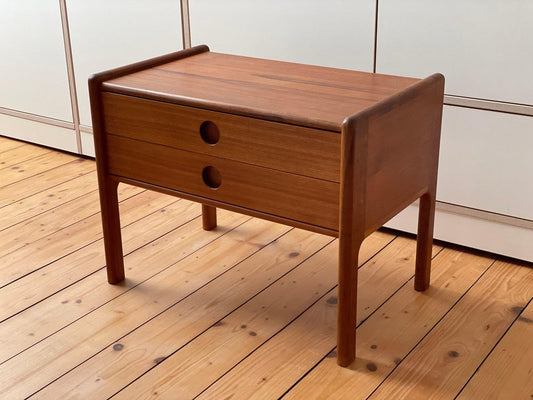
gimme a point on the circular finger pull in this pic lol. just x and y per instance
(209, 132)
(211, 177)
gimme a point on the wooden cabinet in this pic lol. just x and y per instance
(336, 33)
(105, 34)
(483, 48)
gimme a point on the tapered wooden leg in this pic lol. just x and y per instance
(347, 312)
(209, 217)
(111, 229)
(424, 242)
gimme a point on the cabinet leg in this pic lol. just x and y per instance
(111, 229)
(424, 242)
(347, 312)
(209, 217)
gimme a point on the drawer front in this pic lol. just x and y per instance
(294, 149)
(295, 197)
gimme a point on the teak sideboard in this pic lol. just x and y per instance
(332, 151)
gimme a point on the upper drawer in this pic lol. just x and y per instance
(289, 148)
(483, 48)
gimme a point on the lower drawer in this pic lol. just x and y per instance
(300, 198)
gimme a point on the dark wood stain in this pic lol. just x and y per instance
(517, 309)
(371, 367)
(118, 346)
(374, 346)
(453, 353)
(397, 361)
(332, 300)
(252, 333)
(243, 326)
(526, 320)
(159, 360)
(294, 254)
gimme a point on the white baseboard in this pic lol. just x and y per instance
(472, 231)
(44, 134)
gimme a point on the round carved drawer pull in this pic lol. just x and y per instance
(211, 177)
(209, 132)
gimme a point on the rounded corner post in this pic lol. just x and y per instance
(351, 231)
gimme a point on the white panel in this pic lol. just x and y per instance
(335, 33)
(109, 33)
(484, 48)
(37, 132)
(33, 72)
(509, 240)
(486, 161)
(87, 144)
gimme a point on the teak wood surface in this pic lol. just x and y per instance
(331, 151)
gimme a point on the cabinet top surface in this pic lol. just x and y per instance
(312, 96)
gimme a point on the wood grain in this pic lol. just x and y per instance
(508, 371)
(55, 245)
(33, 166)
(113, 320)
(288, 148)
(274, 367)
(286, 195)
(77, 265)
(232, 289)
(19, 190)
(388, 335)
(7, 144)
(31, 206)
(37, 323)
(21, 153)
(298, 94)
(453, 350)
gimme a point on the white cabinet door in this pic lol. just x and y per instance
(109, 33)
(335, 33)
(484, 48)
(33, 72)
(486, 161)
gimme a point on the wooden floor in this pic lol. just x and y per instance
(245, 311)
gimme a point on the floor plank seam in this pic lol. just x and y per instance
(101, 305)
(103, 267)
(47, 188)
(493, 348)
(326, 293)
(138, 326)
(432, 328)
(207, 283)
(55, 232)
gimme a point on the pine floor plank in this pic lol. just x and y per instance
(8, 144)
(61, 217)
(230, 312)
(56, 355)
(163, 335)
(23, 293)
(64, 241)
(275, 366)
(388, 335)
(45, 180)
(31, 206)
(21, 153)
(238, 334)
(451, 352)
(33, 167)
(42, 320)
(508, 371)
